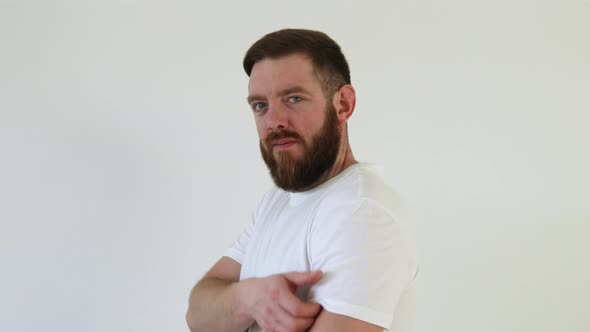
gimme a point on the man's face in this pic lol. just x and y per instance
(298, 127)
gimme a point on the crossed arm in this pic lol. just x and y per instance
(221, 302)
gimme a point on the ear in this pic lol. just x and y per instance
(344, 102)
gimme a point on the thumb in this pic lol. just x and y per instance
(304, 278)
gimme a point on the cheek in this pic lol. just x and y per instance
(311, 126)
(260, 129)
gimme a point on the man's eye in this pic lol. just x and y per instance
(258, 106)
(295, 99)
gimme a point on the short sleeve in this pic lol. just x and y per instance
(239, 247)
(366, 259)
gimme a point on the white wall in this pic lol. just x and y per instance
(129, 160)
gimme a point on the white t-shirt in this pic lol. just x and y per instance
(346, 228)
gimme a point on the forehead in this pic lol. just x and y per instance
(274, 74)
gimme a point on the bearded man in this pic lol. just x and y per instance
(324, 250)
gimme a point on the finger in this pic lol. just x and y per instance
(296, 324)
(304, 278)
(297, 308)
(287, 322)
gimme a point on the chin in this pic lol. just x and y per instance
(293, 155)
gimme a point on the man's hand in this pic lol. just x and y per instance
(271, 301)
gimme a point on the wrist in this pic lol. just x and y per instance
(241, 301)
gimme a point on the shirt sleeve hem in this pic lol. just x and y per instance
(234, 254)
(362, 313)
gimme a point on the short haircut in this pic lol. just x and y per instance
(329, 64)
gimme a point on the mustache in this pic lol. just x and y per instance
(280, 135)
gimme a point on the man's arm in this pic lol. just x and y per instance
(329, 322)
(213, 302)
(220, 302)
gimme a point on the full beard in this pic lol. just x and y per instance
(299, 175)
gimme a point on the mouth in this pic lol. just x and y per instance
(283, 144)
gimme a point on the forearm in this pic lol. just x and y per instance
(214, 305)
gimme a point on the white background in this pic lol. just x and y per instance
(129, 158)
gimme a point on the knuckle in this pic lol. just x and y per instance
(274, 294)
(268, 311)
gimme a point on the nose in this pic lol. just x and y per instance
(277, 118)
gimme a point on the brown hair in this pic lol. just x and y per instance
(330, 65)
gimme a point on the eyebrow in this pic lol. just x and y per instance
(284, 92)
